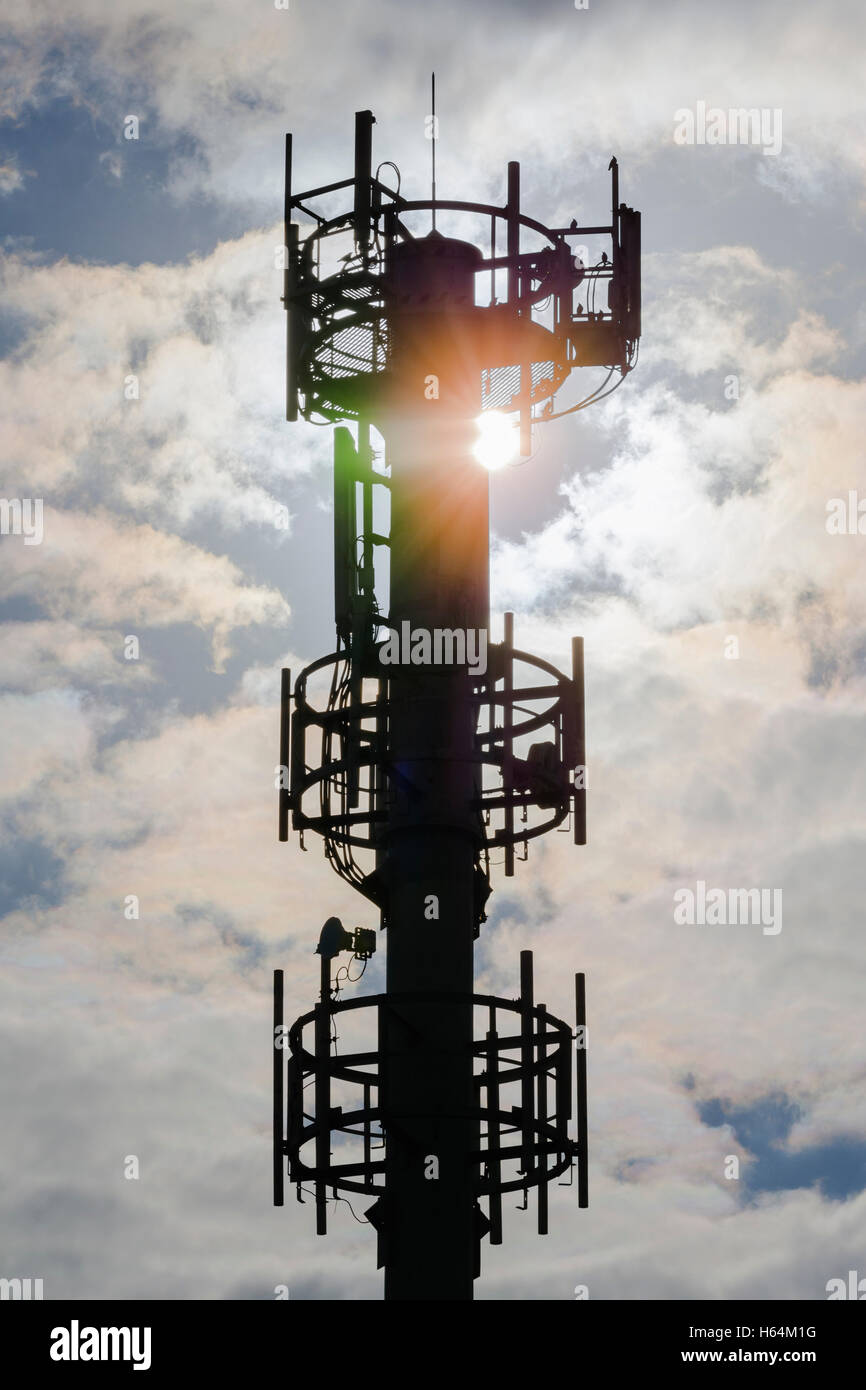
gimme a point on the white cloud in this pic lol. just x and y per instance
(591, 88)
(11, 176)
(102, 571)
(158, 387)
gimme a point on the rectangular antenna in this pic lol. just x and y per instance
(615, 296)
(297, 758)
(582, 1152)
(285, 720)
(513, 219)
(614, 203)
(322, 1093)
(630, 259)
(580, 739)
(541, 1121)
(293, 325)
(290, 244)
(527, 1058)
(345, 531)
(494, 1132)
(278, 1088)
(508, 740)
(364, 122)
(513, 252)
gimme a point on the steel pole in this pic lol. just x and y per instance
(439, 580)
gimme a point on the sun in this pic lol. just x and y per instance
(498, 441)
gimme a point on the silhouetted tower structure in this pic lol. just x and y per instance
(413, 757)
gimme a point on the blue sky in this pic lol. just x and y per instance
(660, 524)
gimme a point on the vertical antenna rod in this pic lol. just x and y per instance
(433, 144)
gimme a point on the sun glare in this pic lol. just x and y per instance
(498, 440)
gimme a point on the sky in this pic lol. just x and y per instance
(681, 526)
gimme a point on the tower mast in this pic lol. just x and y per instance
(432, 745)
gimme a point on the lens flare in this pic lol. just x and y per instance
(498, 440)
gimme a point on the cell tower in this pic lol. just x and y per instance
(417, 761)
